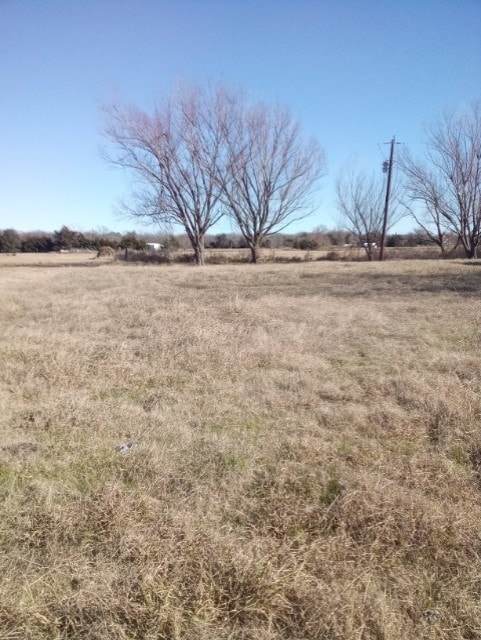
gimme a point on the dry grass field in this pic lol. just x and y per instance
(308, 459)
(218, 256)
(52, 259)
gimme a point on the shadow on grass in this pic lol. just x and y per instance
(370, 285)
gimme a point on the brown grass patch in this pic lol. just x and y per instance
(53, 259)
(308, 462)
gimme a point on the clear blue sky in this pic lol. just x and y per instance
(355, 72)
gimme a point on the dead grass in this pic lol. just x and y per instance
(52, 259)
(308, 462)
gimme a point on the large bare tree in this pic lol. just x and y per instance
(360, 202)
(271, 171)
(422, 186)
(174, 155)
(445, 186)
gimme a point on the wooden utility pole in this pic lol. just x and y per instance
(386, 204)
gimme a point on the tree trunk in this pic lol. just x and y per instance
(368, 254)
(472, 252)
(199, 252)
(255, 254)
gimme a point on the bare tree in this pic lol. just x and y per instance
(271, 171)
(360, 202)
(422, 186)
(174, 156)
(445, 187)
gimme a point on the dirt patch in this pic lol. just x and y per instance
(21, 448)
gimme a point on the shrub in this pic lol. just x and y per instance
(9, 241)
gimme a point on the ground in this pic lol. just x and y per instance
(306, 459)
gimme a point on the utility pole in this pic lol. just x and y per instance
(388, 191)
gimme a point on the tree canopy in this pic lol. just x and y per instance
(200, 155)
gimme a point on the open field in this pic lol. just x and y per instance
(52, 259)
(309, 451)
(215, 256)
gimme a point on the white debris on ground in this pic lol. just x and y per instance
(127, 447)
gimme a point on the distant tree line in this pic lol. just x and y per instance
(66, 239)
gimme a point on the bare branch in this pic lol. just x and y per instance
(360, 201)
(271, 172)
(445, 187)
(173, 154)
